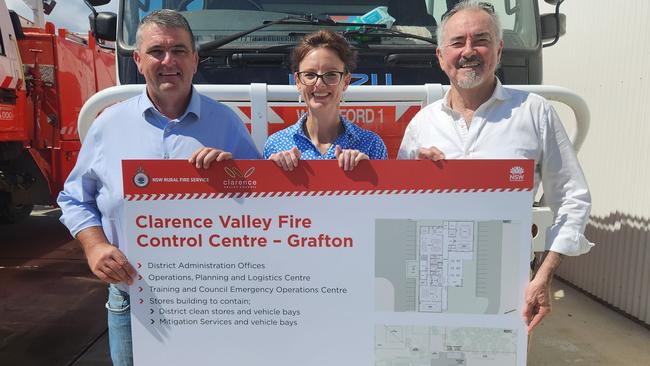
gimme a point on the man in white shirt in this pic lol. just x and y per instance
(480, 119)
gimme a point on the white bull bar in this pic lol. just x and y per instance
(259, 95)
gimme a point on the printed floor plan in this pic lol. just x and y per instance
(444, 346)
(440, 266)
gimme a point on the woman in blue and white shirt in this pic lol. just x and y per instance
(322, 63)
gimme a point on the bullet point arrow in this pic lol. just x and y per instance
(150, 311)
(139, 265)
(152, 321)
(141, 301)
(139, 277)
(140, 289)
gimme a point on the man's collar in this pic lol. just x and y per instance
(194, 106)
(144, 103)
(500, 93)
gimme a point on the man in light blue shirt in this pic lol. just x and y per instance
(169, 120)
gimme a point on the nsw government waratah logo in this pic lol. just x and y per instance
(239, 180)
(517, 174)
(140, 179)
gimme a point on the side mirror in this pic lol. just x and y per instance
(104, 25)
(553, 27)
(98, 2)
(48, 6)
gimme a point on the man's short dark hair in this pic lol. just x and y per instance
(165, 18)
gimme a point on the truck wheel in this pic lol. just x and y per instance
(11, 213)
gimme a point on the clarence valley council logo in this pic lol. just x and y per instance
(140, 179)
(516, 174)
(239, 180)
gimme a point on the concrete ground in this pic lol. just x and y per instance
(51, 306)
(581, 331)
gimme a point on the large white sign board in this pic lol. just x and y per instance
(397, 263)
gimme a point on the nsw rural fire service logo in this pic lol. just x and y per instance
(238, 179)
(140, 179)
(516, 174)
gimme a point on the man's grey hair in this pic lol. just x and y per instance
(165, 18)
(469, 5)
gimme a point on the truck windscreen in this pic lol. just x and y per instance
(216, 19)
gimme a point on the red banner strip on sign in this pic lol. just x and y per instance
(177, 179)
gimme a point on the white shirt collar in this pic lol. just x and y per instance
(500, 93)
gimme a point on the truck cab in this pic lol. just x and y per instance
(401, 53)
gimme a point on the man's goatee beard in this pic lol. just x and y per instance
(471, 80)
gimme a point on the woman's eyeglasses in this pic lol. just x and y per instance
(329, 78)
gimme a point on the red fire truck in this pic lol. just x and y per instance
(45, 77)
